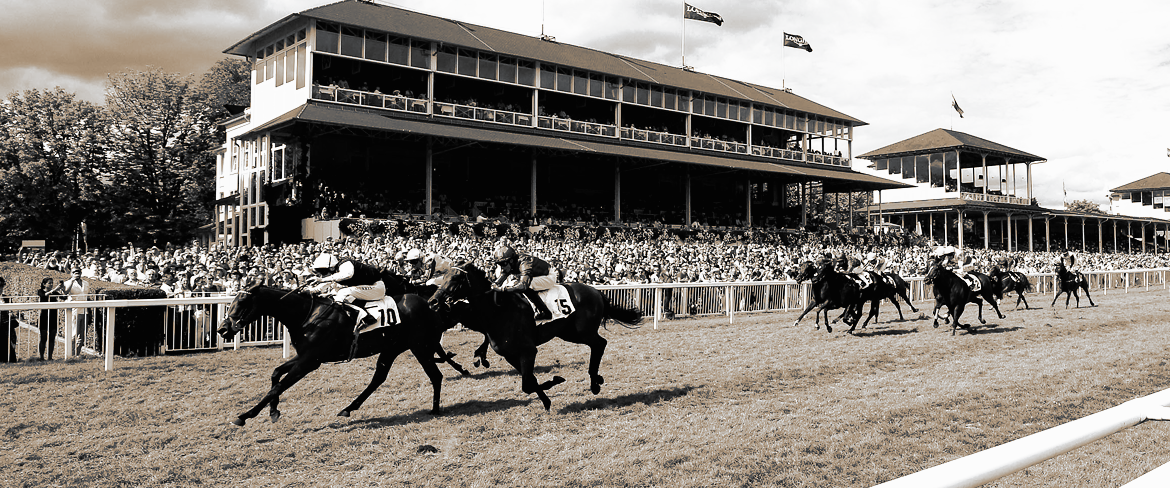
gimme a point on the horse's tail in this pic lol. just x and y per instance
(627, 316)
(1024, 279)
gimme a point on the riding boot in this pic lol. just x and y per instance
(542, 311)
(362, 318)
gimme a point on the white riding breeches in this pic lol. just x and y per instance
(362, 292)
(541, 283)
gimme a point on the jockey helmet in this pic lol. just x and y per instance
(871, 256)
(400, 256)
(944, 250)
(413, 255)
(325, 261)
(504, 253)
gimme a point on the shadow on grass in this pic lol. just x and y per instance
(474, 407)
(872, 332)
(992, 329)
(649, 397)
(505, 369)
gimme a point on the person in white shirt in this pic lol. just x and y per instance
(77, 290)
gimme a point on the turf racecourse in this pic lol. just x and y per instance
(696, 402)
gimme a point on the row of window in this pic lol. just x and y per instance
(383, 47)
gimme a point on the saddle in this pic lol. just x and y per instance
(973, 282)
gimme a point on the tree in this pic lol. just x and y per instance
(52, 164)
(1084, 206)
(161, 143)
(226, 83)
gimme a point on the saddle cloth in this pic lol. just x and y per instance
(973, 282)
(558, 302)
(889, 280)
(385, 310)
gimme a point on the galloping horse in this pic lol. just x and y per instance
(889, 286)
(400, 285)
(830, 290)
(506, 319)
(1012, 281)
(955, 293)
(321, 332)
(1068, 282)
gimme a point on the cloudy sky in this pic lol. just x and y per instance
(1084, 84)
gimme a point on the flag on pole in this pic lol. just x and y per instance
(793, 40)
(694, 13)
(955, 103)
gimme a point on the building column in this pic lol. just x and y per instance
(617, 192)
(946, 232)
(1129, 237)
(748, 197)
(1047, 234)
(986, 227)
(687, 192)
(1115, 249)
(1031, 236)
(1100, 237)
(930, 222)
(430, 168)
(986, 180)
(960, 226)
(532, 188)
(1143, 237)
(1009, 233)
(1066, 246)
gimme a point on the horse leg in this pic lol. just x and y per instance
(902, 293)
(1068, 296)
(596, 350)
(958, 312)
(824, 308)
(894, 300)
(1078, 297)
(481, 354)
(385, 360)
(1054, 297)
(526, 364)
(1086, 288)
(994, 306)
(873, 312)
(273, 410)
(433, 373)
(811, 305)
(980, 312)
(449, 358)
(299, 370)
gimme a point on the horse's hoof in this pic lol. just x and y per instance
(238, 422)
(436, 412)
(936, 324)
(274, 417)
(828, 329)
(343, 413)
(547, 404)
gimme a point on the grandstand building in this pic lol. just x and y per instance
(985, 188)
(367, 110)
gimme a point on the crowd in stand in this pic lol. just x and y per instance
(594, 256)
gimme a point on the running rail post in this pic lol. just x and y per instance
(109, 338)
(992, 464)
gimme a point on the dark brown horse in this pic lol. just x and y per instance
(507, 320)
(321, 331)
(400, 285)
(1012, 281)
(887, 286)
(830, 290)
(1068, 282)
(954, 293)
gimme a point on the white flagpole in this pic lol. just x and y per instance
(684, 36)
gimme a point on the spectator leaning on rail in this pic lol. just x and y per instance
(532, 275)
(359, 282)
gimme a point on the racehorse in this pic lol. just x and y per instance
(1012, 281)
(830, 290)
(888, 286)
(322, 331)
(506, 319)
(955, 293)
(400, 285)
(1068, 282)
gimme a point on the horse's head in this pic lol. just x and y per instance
(454, 280)
(932, 270)
(242, 311)
(805, 271)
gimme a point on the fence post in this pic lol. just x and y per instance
(109, 338)
(284, 347)
(68, 332)
(657, 306)
(730, 304)
(1146, 279)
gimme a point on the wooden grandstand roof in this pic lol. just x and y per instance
(427, 27)
(944, 140)
(1156, 181)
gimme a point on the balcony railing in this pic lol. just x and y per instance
(504, 117)
(979, 197)
(643, 135)
(578, 126)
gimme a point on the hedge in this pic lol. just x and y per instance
(138, 331)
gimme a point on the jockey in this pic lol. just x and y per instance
(953, 259)
(534, 274)
(1070, 263)
(872, 268)
(420, 267)
(359, 282)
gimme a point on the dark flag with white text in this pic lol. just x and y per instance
(694, 13)
(955, 103)
(793, 40)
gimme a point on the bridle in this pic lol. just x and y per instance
(235, 326)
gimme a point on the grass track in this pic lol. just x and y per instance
(694, 403)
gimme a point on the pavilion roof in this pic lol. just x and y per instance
(944, 140)
(428, 27)
(1157, 181)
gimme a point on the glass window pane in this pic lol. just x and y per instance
(467, 62)
(880, 164)
(564, 79)
(548, 76)
(744, 111)
(769, 116)
(375, 46)
(399, 51)
(952, 170)
(290, 66)
(629, 92)
(259, 67)
(757, 114)
(643, 94)
(580, 82)
(301, 35)
(270, 64)
(508, 70)
(721, 108)
(279, 69)
(420, 55)
(922, 168)
(732, 110)
(611, 88)
(302, 54)
(488, 67)
(936, 170)
(445, 60)
(655, 96)
(326, 37)
(709, 105)
(895, 166)
(670, 98)
(526, 73)
(595, 85)
(351, 42)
